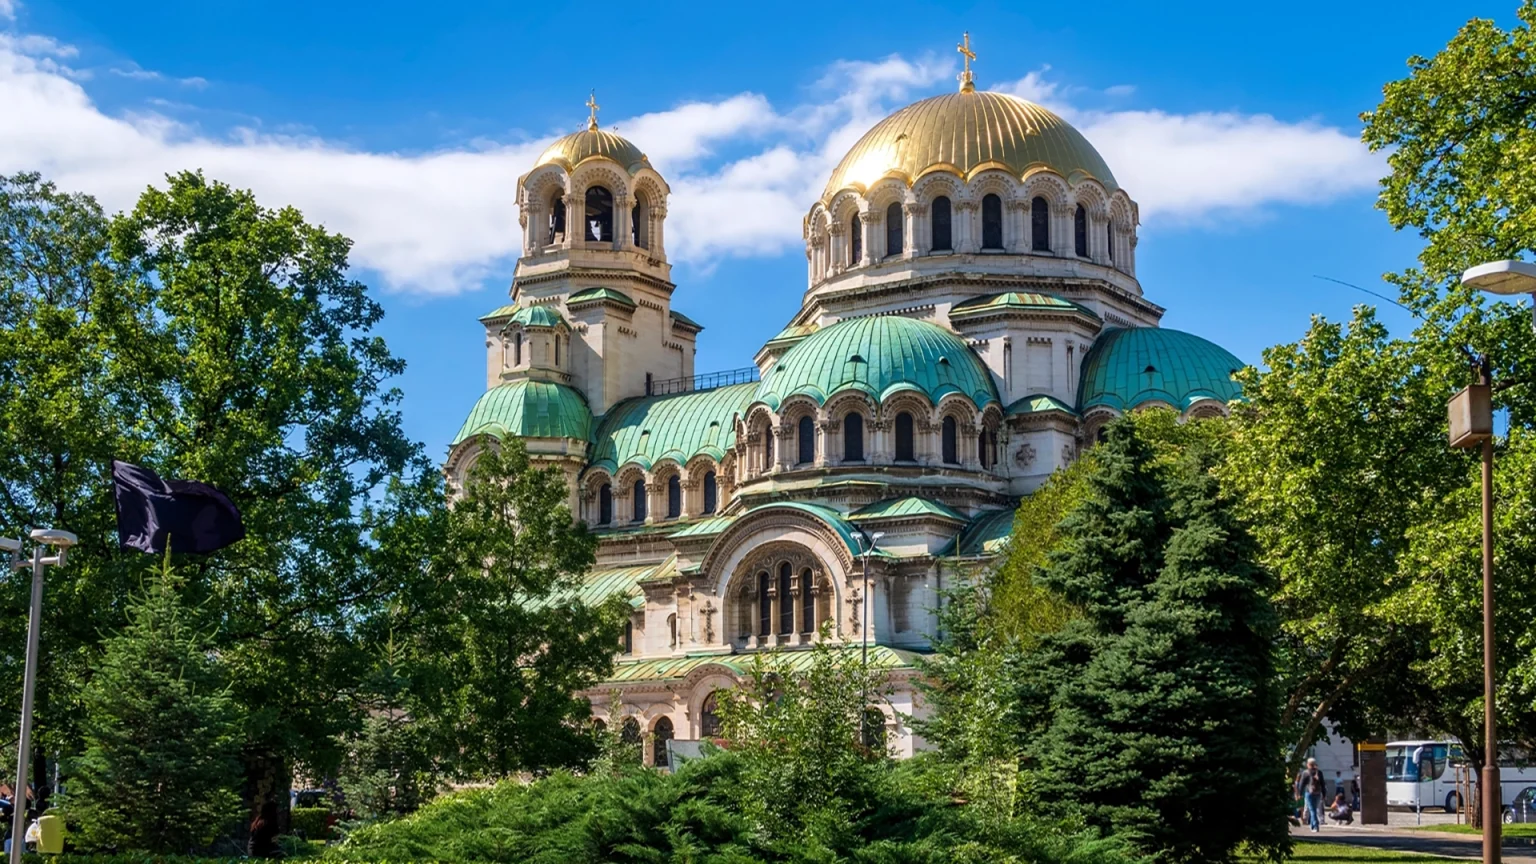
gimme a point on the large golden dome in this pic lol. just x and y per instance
(593, 143)
(963, 133)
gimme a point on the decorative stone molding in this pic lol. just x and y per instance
(1025, 455)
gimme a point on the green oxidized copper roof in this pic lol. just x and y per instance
(895, 508)
(704, 527)
(598, 585)
(835, 520)
(592, 295)
(1018, 300)
(1128, 367)
(881, 356)
(680, 427)
(795, 332)
(675, 668)
(537, 316)
(500, 312)
(678, 316)
(1038, 404)
(529, 409)
(986, 534)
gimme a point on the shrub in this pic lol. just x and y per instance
(310, 822)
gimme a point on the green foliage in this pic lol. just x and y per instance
(310, 822)
(1019, 605)
(1154, 713)
(159, 768)
(395, 761)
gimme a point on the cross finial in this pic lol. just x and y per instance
(592, 106)
(967, 80)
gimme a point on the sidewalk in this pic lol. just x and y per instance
(1397, 837)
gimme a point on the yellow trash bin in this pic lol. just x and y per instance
(52, 829)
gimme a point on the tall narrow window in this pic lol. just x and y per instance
(629, 636)
(629, 733)
(556, 220)
(709, 717)
(981, 450)
(1080, 230)
(943, 237)
(991, 222)
(950, 445)
(805, 441)
(1109, 240)
(853, 437)
(786, 600)
(768, 448)
(711, 493)
(807, 603)
(905, 452)
(855, 241)
(674, 497)
(661, 733)
(517, 349)
(649, 381)
(599, 214)
(639, 493)
(893, 230)
(764, 606)
(637, 225)
(557, 350)
(1040, 225)
(605, 504)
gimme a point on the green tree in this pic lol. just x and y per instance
(395, 761)
(161, 734)
(1154, 713)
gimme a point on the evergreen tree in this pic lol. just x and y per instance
(1156, 715)
(159, 770)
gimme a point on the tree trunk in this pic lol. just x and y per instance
(267, 788)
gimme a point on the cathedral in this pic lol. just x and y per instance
(971, 320)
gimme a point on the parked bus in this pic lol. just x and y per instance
(1423, 774)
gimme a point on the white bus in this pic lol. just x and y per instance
(1435, 785)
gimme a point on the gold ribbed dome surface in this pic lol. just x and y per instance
(578, 147)
(963, 132)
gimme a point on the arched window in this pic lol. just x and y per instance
(807, 603)
(1080, 230)
(672, 630)
(893, 230)
(674, 497)
(599, 214)
(1109, 239)
(943, 237)
(1040, 225)
(981, 450)
(629, 636)
(855, 241)
(711, 493)
(805, 441)
(517, 349)
(639, 494)
(853, 437)
(786, 600)
(991, 222)
(637, 225)
(905, 452)
(661, 733)
(764, 606)
(605, 504)
(767, 448)
(709, 717)
(629, 733)
(556, 219)
(950, 444)
(557, 350)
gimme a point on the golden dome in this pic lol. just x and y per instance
(593, 143)
(962, 133)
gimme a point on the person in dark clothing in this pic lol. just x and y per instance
(1311, 788)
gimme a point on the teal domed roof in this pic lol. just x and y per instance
(879, 356)
(1132, 366)
(529, 409)
(537, 316)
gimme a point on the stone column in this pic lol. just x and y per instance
(795, 609)
(824, 430)
(868, 226)
(622, 230)
(656, 239)
(878, 452)
(1016, 224)
(964, 232)
(969, 446)
(909, 222)
(782, 457)
(575, 220)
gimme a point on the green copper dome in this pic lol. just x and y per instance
(1133, 366)
(529, 409)
(537, 316)
(679, 427)
(880, 356)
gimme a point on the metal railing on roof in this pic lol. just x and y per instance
(706, 381)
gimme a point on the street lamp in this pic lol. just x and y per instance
(41, 537)
(867, 542)
(1471, 416)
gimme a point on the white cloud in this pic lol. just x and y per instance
(139, 73)
(8, 10)
(742, 172)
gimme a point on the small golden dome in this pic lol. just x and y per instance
(593, 143)
(965, 132)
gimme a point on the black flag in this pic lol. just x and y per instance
(195, 516)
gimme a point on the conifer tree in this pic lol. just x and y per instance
(159, 770)
(1157, 715)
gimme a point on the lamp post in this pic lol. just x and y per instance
(41, 537)
(1471, 415)
(867, 541)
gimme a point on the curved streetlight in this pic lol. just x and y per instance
(1471, 415)
(41, 538)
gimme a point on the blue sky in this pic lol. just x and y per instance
(405, 126)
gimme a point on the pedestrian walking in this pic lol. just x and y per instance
(1311, 787)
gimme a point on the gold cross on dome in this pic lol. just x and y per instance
(967, 80)
(592, 106)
